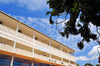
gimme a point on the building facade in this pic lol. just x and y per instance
(22, 45)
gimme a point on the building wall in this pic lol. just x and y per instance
(19, 41)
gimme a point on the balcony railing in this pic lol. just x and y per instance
(19, 51)
(9, 33)
(5, 47)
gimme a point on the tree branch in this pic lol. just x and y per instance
(62, 14)
(97, 32)
(56, 21)
(61, 29)
(63, 21)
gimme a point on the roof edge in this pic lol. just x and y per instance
(34, 29)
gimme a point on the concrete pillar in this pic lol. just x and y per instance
(69, 62)
(15, 38)
(61, 53)
(12, 59)
(32, 62)
(74, 54)
(38, 64)
(50, 51)
(33, 43)
(51, 64)
(68, 51)
(50, 48)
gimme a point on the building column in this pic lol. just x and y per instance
(14, 46)
(68, 51)
(50, 48)
(69, 62)
(50, 52)
(61, 53)
(12, 59)
(38, 64)
(74, 54)
(32, 62)
(33, 43)
(33, 48)
(15, 38)
(51, 64)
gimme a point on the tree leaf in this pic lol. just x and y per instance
(62, 34)
(77, 10)
(79, 25)
(67, 35)
(80, 45)
(48, 12)
(52, 12)
(50, 21)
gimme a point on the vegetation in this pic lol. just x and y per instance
(88, 64)
(77, 65)
(97, 65)
(87, 11)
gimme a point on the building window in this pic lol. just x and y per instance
(17, 63)
(0, 22)
(35, 38)
(20, 31)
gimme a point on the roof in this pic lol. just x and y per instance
(34, 29)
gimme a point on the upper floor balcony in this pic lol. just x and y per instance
(25, 37)
(9, 33)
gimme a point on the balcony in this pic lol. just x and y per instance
(9, 33)
(19, 51)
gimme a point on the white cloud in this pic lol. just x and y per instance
(45, 20)
(84, 58)
(6, 1)
(42, 24)
(94, 51)
(29, 4)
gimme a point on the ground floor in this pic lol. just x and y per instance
(5, 60)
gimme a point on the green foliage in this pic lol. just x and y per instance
(97, 65)
(88, 64)
(50, 21)
(77, 65)
(62, 34)
(80, 45)
(88, 11)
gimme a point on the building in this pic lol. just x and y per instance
(22, 45)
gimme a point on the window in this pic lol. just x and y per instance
(20, 31)
(0, 22)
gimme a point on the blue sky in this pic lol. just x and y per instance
(32, 13)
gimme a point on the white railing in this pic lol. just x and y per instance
(5, 47)
(56, 61)
(41, 57)
(68, 56)
(19, 51)
(72, 64)
(42, 44)
(53, 50)
(25, 39)
(66, 64)
(23, 52)
(9, 33)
